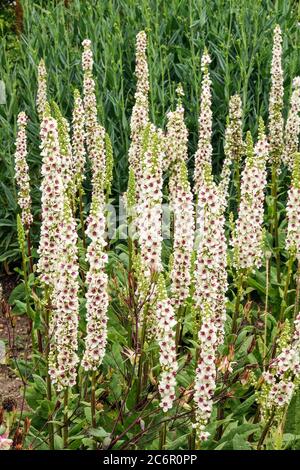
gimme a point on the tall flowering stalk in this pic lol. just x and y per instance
(78, 139)
(283, 377)
(67, 163)
(89, 102)
(166, 322)
(41, 98)
(293, 212)
(210, 295)
(276, 131)
(247, 237)
(63, 357)
(292, 128)
(247, 240)
(52, 199)
(22, 172)
(177, 135)
(79, 154)
(181, 199)
(233, 147)
(150, 203)
(97, 280)
(204, 151)
(140, 112)
(147, 263)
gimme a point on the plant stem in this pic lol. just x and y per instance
(81, 214)
(266, 310)
(49, 390)
(237, 183)
(66, 420)
(286, 288)
(275, 221)
(192, 440)
(265, 431)
(29, 251)
(239, 284)
(163, 436)
(142, 341)
(27, 294)
(180, 317)
(93, 398)
(296, 307)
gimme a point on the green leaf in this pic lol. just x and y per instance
(99, 432)
(240, 443)
(292, 423)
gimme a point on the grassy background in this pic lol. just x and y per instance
(238, 34)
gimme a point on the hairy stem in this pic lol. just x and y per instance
(66, 419)
(239, 285)
(275, 222)
(266, 310)
(49, 390)
(286, 288)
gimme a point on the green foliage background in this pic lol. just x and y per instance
(238, 34)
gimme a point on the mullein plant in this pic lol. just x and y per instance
(52, 189)
(22, 172)
(79, 155)
(63, 326)
(140, 112)
(292, 127)
(150, 202)
(181, 200)
(58, 266)
(276, 134)
(78, 140)
(41, 98)
(92, 127)
(210, 288)
(67, 162)
(247, 237)
(24, 201)
(204, 150)
(97, 295)
(100, 154)
(157, 317)
(166, 326)
(282, 378)
(63, 357)
(147, 263)
(234, 148)
(210, 277)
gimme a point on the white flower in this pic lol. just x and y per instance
(41, 98)
(63, 331)
(166, 324)
(22, 171)
(52, 199)
(78, 149)
(204, 150)
(276, 100)
(5, 443)
(181, 199)
(292, 128)
(140, 112)
(247, 239)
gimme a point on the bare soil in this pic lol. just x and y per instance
(14, 333)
